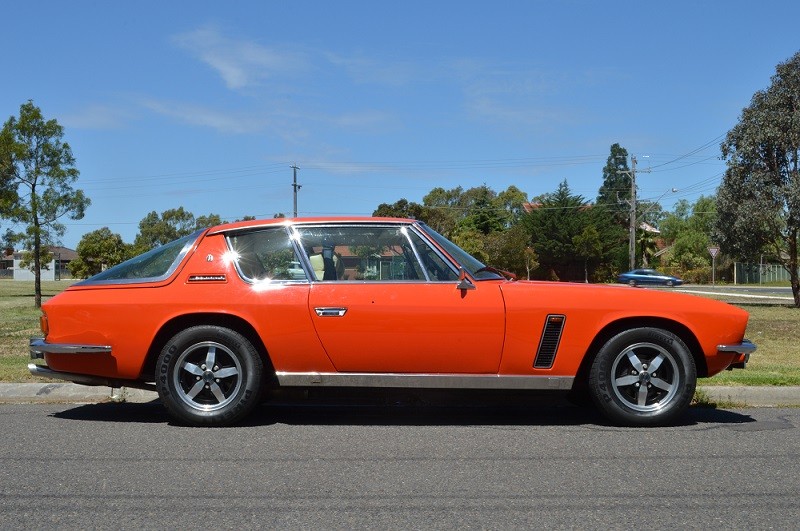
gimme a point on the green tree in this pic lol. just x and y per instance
(647, 246)
(615, 192)
(507, 250)
(204, 222)
(443, 209)
(689, 231)
(399, 209)
(156, 230)
(589, 247)
(758, 202)
(511, 203)
(37, 173)
(553, 222)
(531, 261)
(471, 240)
(480, 210)
(97, 251)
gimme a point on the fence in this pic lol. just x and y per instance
(60, 273)
(759, 273)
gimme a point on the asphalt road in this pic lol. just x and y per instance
(532, 465)
(747, 294)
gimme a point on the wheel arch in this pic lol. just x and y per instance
(182, 322)
(615, 327)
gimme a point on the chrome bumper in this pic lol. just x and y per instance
(745, 348)
(39, 347)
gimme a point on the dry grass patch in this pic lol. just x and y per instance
(776, 332)
(20, 322)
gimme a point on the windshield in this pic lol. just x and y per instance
(152, 266)
(473, 266)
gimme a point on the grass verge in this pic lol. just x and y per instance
(776, 332)
(19, 321)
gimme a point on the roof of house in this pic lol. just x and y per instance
(63, 254)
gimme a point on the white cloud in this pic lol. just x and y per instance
(239, 62)
(362, 120)
(96, 116)
(222, 121)
(365, 70)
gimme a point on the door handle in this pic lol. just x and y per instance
(330, 312)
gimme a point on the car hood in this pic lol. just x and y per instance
(616, 300)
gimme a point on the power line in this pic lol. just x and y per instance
(690, 153)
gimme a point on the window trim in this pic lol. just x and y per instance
(191, 243)
(269, 228)
(404, 227)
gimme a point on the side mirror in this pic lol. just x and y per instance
(464, 282)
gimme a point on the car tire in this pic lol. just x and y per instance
(632, 283)
(670, 283)
(643, 377)
(209, 376)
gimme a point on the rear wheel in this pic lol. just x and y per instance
(643, 377)
(209, 376)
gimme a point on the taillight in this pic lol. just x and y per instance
(44, 325)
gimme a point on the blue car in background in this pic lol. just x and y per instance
(648, 276)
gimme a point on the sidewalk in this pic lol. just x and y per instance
(70, 393)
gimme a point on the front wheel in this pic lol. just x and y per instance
(209, 376)
(643, 377)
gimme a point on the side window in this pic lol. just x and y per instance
(361, 253)
(266, 255)
(434, 265)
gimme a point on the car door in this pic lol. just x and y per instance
(393, 304)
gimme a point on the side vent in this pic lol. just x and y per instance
(548, 346)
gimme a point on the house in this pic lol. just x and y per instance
(57, 269)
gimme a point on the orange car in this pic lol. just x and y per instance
(214, 319)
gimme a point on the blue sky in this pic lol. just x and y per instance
(206, 105)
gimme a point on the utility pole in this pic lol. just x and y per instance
(632, 203)
(632, 240)
(295, 186)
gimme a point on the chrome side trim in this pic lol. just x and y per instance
(207, 278)
(425, 381)
(39, 347)
(745, 347)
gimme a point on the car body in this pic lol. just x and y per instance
(213, 320)
(648, 277)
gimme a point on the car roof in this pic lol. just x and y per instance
(239, 225)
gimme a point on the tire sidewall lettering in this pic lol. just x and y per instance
(602, 380)
(235, 345)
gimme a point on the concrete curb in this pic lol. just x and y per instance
(753, 396)
(65, 392)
